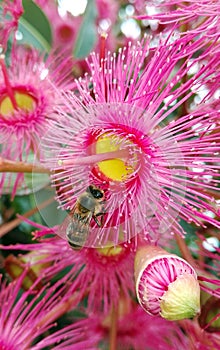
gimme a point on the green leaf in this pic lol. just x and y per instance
(35, 27)
(87, 35)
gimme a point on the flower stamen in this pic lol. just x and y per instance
(8, 86)
(95, 158)
(103, 38)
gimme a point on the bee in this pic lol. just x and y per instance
(89, 205)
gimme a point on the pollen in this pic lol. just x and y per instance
(24, 101)
(110, 251)
(116, 169)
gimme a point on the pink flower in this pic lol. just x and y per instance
(27, 104)
(65, 24)
(198, 16)
(166, 284)
(100, 274)
(135, 329)
(10, 12)
(64, 28)
(121, 135)
(26, 316)
(198, 337)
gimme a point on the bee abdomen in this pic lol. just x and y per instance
(76, 236)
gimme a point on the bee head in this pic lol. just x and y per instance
(96, 192)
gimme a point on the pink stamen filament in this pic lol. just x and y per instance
(95, 158)
(212, 320)
(102, 47)
(204, 132)
(102, 59)
(7, 83)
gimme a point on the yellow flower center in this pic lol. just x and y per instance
(115, 169)
(23, 100)
(110, 251)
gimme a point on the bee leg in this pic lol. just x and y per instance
(83, 220)
(99, 222)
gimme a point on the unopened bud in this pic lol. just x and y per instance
(166, 284)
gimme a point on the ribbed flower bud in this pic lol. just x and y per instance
(15, 266)
(166, 284)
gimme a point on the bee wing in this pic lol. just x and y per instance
(62, 228)
(74, 231)
(77, 234)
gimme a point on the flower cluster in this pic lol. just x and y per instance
(107, 272)
(23, 320)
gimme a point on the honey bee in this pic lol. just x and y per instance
(89, 205)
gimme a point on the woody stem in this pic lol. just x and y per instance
(184, 250)
(20, 167)
(113, 329)
(8, 226)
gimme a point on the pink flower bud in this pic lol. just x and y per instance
(166, 284)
